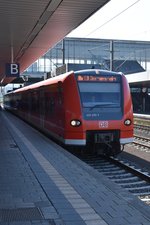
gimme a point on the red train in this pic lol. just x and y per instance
(87, 108)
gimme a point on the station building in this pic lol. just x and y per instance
(130, 57)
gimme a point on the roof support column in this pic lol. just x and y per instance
(12, 54)
(111, 55)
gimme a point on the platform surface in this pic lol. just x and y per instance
(43, 184)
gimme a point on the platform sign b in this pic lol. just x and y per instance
(12, 69)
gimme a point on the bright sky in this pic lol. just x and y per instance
(118, 19)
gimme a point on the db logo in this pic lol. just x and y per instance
(103, 124)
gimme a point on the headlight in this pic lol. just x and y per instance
(75, 123)
(127, 122)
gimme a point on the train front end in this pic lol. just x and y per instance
(106, 107)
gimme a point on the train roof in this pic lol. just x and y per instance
(62, 77)
(97, 72)
(43, 83)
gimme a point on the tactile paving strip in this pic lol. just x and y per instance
(20, 214)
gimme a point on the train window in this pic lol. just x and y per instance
(35, 102)
(50, 103)
(60, 93)
(101, 98)
(100, 92)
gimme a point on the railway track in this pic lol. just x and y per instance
(141, 137)
(142, 127)
(142, 142)
(124, 174)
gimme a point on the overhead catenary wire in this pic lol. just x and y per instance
(108, 21)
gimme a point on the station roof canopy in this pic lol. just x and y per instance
(28, 28)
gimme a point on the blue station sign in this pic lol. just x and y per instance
(12, 69)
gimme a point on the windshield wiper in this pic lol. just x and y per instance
(103, 104)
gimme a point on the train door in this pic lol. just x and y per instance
(34, 107)
(54, 111)
(49, 107)
(42, 107)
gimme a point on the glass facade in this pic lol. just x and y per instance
(122, 56)
(109, 54)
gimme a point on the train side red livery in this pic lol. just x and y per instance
(87, 108)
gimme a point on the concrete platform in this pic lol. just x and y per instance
(42, 184)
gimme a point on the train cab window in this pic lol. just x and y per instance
(103, 93)
(101, 98)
